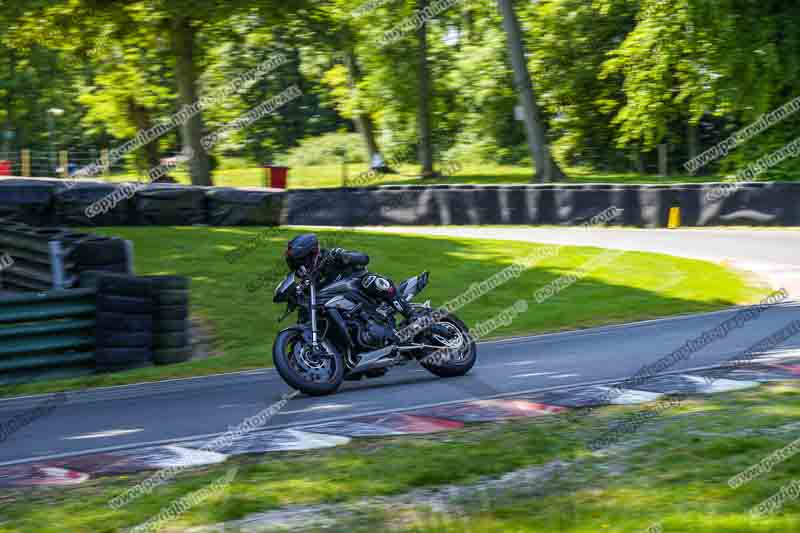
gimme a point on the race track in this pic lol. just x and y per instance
(177, 410)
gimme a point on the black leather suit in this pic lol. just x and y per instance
(338, 264)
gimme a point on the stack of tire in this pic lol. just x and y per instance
(171, 325)
(124, 324)
(98, 253)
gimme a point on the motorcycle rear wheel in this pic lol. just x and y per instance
(301, 370)
(458, 353)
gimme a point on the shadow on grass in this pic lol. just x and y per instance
(237, 296)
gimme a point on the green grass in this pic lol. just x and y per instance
(635, 286)
(675, 474)
(471, 173)
(677, 478)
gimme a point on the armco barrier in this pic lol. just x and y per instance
(46, 335)
(52, 258)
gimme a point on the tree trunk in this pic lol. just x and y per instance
(692, 141)
(423, 108)
(140, 116)
(363, 121)
(12, 59)
(467, 26)
(638, 159)
(183, 47)
(545, 167)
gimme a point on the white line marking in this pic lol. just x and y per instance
(323, 407)
(323, 421)
(630, 396)
(532, 374)
(104, 434)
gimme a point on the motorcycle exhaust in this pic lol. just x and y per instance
(375, 359)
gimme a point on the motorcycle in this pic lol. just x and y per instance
(342, 333)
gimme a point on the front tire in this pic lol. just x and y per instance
(301, 371)
(458, 353)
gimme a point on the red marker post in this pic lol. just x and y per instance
(277, 176)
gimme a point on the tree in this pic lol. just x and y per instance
(545, 167)
(332, 40)
(424, 93)
(184, 47)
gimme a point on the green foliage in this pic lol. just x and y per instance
(614, 78)
(326, 149)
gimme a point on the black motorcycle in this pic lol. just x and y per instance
(343, 333)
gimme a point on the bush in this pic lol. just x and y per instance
(327, 150)
(483, 149)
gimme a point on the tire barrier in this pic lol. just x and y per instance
(45, 202)
(171, 325)
(124, 329)
(45, 259)
(28, 201)
(654, 204)
(140, 320)
(112, 322)
(41, 202)
(756, 204)
(572, 204)
(47, 335)
(243, 207)
(70, 206)
(170, 205)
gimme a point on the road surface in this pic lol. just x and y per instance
(187, 409)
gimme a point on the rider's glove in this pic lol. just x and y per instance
(337, 254)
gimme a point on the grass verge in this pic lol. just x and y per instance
(673, 471)
(332, 175)
(236, 297)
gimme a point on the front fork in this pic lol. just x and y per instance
(313, 310)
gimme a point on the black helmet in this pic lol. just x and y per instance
(303, 250)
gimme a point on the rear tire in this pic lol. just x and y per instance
(450, 364)
(282, 355)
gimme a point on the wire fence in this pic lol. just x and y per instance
(64, 163)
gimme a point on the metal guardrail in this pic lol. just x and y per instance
(47, 335)
(44, 259)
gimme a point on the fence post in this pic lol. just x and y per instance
(63, 161)
(26, 163)
(105, 159)
(129, 257)
(57, 264)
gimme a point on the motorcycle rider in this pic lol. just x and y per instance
(337, 263)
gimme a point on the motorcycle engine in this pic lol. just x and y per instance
(374, 335)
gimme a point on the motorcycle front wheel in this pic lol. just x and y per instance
(315, 374)
(456, 354)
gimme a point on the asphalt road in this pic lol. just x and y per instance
(171, 411)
